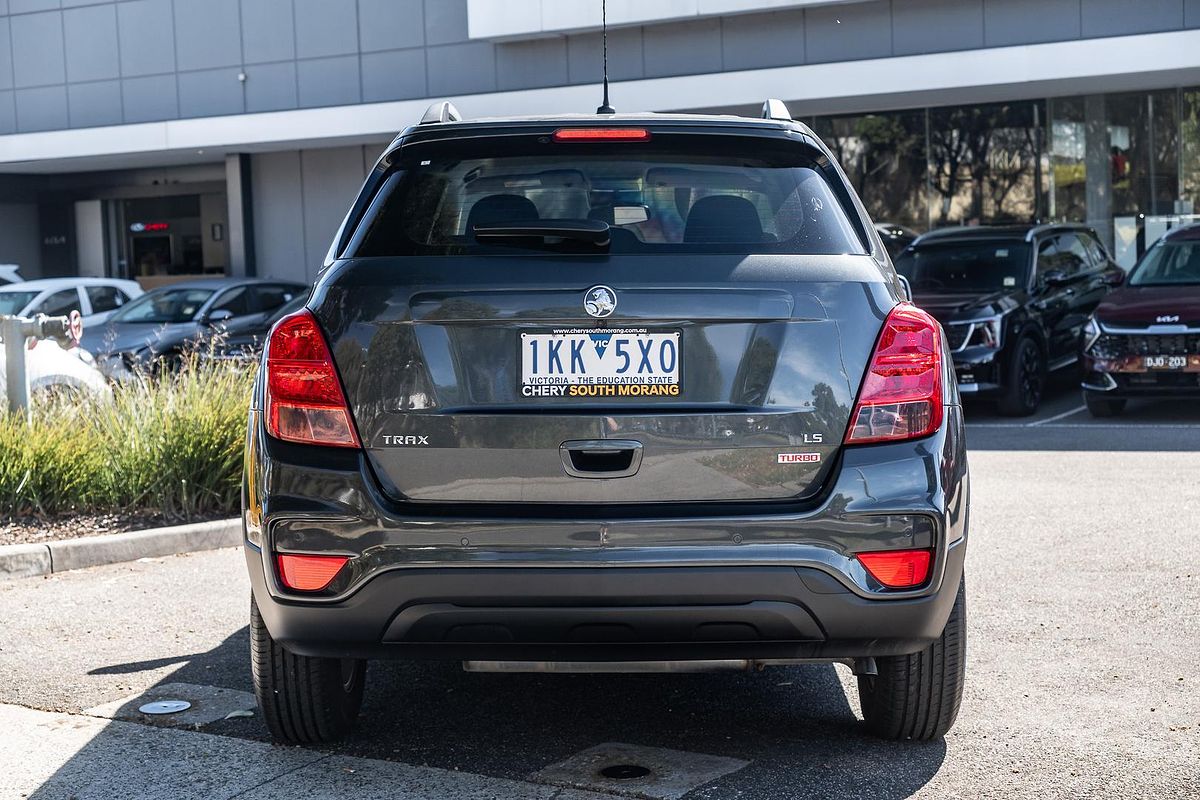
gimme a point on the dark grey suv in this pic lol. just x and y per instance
(613, 392)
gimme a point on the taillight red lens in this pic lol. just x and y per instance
(898, 569)
(901, 396)
(309, 573)
(305, 402)
(602, 135)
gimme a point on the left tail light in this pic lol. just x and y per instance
(901, 395)
(305, 402)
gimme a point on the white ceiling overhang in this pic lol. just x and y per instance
(525, 19)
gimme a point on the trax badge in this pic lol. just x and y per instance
(600, 301)
(406, 441)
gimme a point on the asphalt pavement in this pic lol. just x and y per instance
(1083, 588)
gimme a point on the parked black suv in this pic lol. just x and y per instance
(1144, 339)
(1013, 301)
(614, 392)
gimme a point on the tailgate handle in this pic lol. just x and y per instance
(601, 458)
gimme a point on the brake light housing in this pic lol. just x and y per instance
(898, 569)
(305, 402)
(602, 135)
(901, 395)
(309, 573)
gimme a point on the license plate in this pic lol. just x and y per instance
(1166, 362)
(600, 364)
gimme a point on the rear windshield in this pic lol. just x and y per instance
(966, 266)
(655, 197)
(1169, 264)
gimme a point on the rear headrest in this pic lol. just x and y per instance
(723, 219)
(501, 208)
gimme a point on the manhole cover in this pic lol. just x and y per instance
(624, 772)
(165, 707)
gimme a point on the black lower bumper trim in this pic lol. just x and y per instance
(607, 614)
(754, 621)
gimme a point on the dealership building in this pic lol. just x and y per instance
(154, 139)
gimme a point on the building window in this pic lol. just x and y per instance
(1068, 160)
(1189, 150)
(984, 164)
(884, 157)
(1126, 164)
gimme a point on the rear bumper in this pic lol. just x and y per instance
(608, 614)
(770, 582)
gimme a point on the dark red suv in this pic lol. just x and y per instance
(1144, 339)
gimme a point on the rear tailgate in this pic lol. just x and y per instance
(436, 356)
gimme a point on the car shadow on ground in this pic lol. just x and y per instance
(795, 725)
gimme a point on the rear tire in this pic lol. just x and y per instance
(917, 696)
(304, 700)
(1026, 380)
(1103, 406)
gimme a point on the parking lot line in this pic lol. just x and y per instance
(59, 753)
(1057, 417)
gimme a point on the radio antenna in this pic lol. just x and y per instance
(605, 108)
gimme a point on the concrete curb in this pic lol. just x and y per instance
(20, 560)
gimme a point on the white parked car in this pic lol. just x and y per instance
(51, 368)
(94, 298)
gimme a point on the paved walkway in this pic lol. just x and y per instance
(50, 755)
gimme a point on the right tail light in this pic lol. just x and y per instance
(901, 395)
(898, 569)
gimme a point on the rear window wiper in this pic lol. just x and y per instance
(593, 231)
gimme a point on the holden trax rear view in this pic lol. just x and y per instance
(606, 393)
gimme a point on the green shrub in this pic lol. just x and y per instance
(169, 444)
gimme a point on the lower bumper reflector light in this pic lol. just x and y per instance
(309, 573)
(898, 569)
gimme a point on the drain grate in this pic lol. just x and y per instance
(165, 707)
(624, 772)
(629, 770)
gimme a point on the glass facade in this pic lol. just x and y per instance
(884, 156)
(1127, 164)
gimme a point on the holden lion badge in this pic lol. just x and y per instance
(600, 301)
